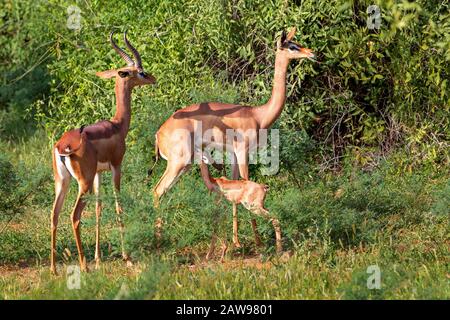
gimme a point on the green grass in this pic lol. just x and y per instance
(315, 271)
(334, 228)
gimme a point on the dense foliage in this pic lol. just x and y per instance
(373, 87)
(364, 145)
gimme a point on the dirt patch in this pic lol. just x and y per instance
(240, 262)
(247, 262)
(20, 277)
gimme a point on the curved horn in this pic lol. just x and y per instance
(122, 53)
(137, 56)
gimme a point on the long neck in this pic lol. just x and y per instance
(123, 105)
(268, 113)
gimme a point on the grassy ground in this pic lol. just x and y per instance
(334, 227)
(407, 272)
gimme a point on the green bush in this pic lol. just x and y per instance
(441, 203)
(9, 184)
(367, 80)
(354, 208)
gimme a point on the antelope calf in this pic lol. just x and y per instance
(248, 193)
(85, 152)
(175, 137)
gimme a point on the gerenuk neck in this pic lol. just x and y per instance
(123, 106)
(268, 113)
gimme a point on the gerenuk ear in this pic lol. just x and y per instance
(123, 74)
(291, 34)
(106, 74)
(281, 40)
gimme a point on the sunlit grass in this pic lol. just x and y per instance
(334, 228)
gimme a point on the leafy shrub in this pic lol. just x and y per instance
(366, 80)
(10, 197)
(441, 205)
(353, 208)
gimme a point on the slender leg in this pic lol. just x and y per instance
(224, 238)
(243, 165)
(276, 225)
(158, 190)
(224, 249)
(212, 246)
(179, 158)
(216, 224)
(116, 175)
(61, 188)
(173, 172)
(258, 241)
(242, 160)
(236, 242)
(76, 216)
(98, 210)
(235, 176)
(234, 172)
